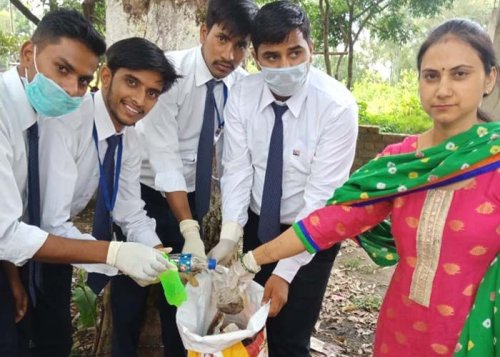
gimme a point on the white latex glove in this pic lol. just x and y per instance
(193, 244)
(137, 260)
(223, 251)
(242, 272)
(230, 235)
(144, 283)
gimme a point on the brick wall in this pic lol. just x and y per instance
(371, 142)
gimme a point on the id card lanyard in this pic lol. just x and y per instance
(220, 119)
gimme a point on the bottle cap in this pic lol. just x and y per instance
(212, 263)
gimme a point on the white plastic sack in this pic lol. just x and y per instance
(197, 313)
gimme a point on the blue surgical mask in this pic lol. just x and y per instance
(286, 81)
(47, 97)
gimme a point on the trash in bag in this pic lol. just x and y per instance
(206, 330)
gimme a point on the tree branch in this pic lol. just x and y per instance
(365, 21)
(25, 11)
(374, 4)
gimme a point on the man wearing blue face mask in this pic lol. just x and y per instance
(55, 68)
(290, 141)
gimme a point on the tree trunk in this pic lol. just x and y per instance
(491, 103)
(25, 11)
(350, 47)
(171, 24)
(88, 9)
(324, 7)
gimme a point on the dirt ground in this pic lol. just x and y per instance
(350, 306)
(351, 303)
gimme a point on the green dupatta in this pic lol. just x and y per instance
(463, 156)
(466, 155)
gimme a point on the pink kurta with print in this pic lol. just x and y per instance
(444, 253)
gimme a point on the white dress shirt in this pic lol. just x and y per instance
(69, 173)
(171, 131)
(18, 240)
(320, 130)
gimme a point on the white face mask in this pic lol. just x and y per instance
(286, 81)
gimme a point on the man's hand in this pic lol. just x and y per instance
(144, 283)
(18, 291)
(242, 272)
(193, 244)
(230, 235)
(276, 290)
(137, 260)
(223, 251)
(20, 299)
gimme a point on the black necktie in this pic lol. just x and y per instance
(204, 157)
(35, 273)
(102, 228)
(269, 221)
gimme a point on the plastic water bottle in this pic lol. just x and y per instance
(187, 263)
(174, 290)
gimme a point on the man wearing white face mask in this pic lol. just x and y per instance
(290, 140)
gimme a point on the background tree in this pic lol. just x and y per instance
(383, 19)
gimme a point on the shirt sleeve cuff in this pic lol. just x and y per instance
(305, 237)
(30, 240)
(170, 182)
(288, 268)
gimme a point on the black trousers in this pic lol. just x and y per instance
(290, 331)
(8, 334)
(51, 318)
(14, 338)
(128, 300)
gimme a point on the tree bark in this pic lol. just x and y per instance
(88, 7)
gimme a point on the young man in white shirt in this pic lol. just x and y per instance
(290, 139)
(55, 68)
(183, 134)
(72, 161)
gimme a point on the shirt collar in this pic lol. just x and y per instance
(17, 94)
(103, 123)
(202, 73)
(294, 103)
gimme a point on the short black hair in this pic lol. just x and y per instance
(234, 15)
(274, 22)
(71, 24)
(139, 54)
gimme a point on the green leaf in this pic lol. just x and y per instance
(85, 300)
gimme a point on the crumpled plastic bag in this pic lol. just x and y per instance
(199, 312)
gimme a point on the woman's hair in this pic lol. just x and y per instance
(471, 33)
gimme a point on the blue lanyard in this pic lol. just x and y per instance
(109, 201)
(220, 120)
